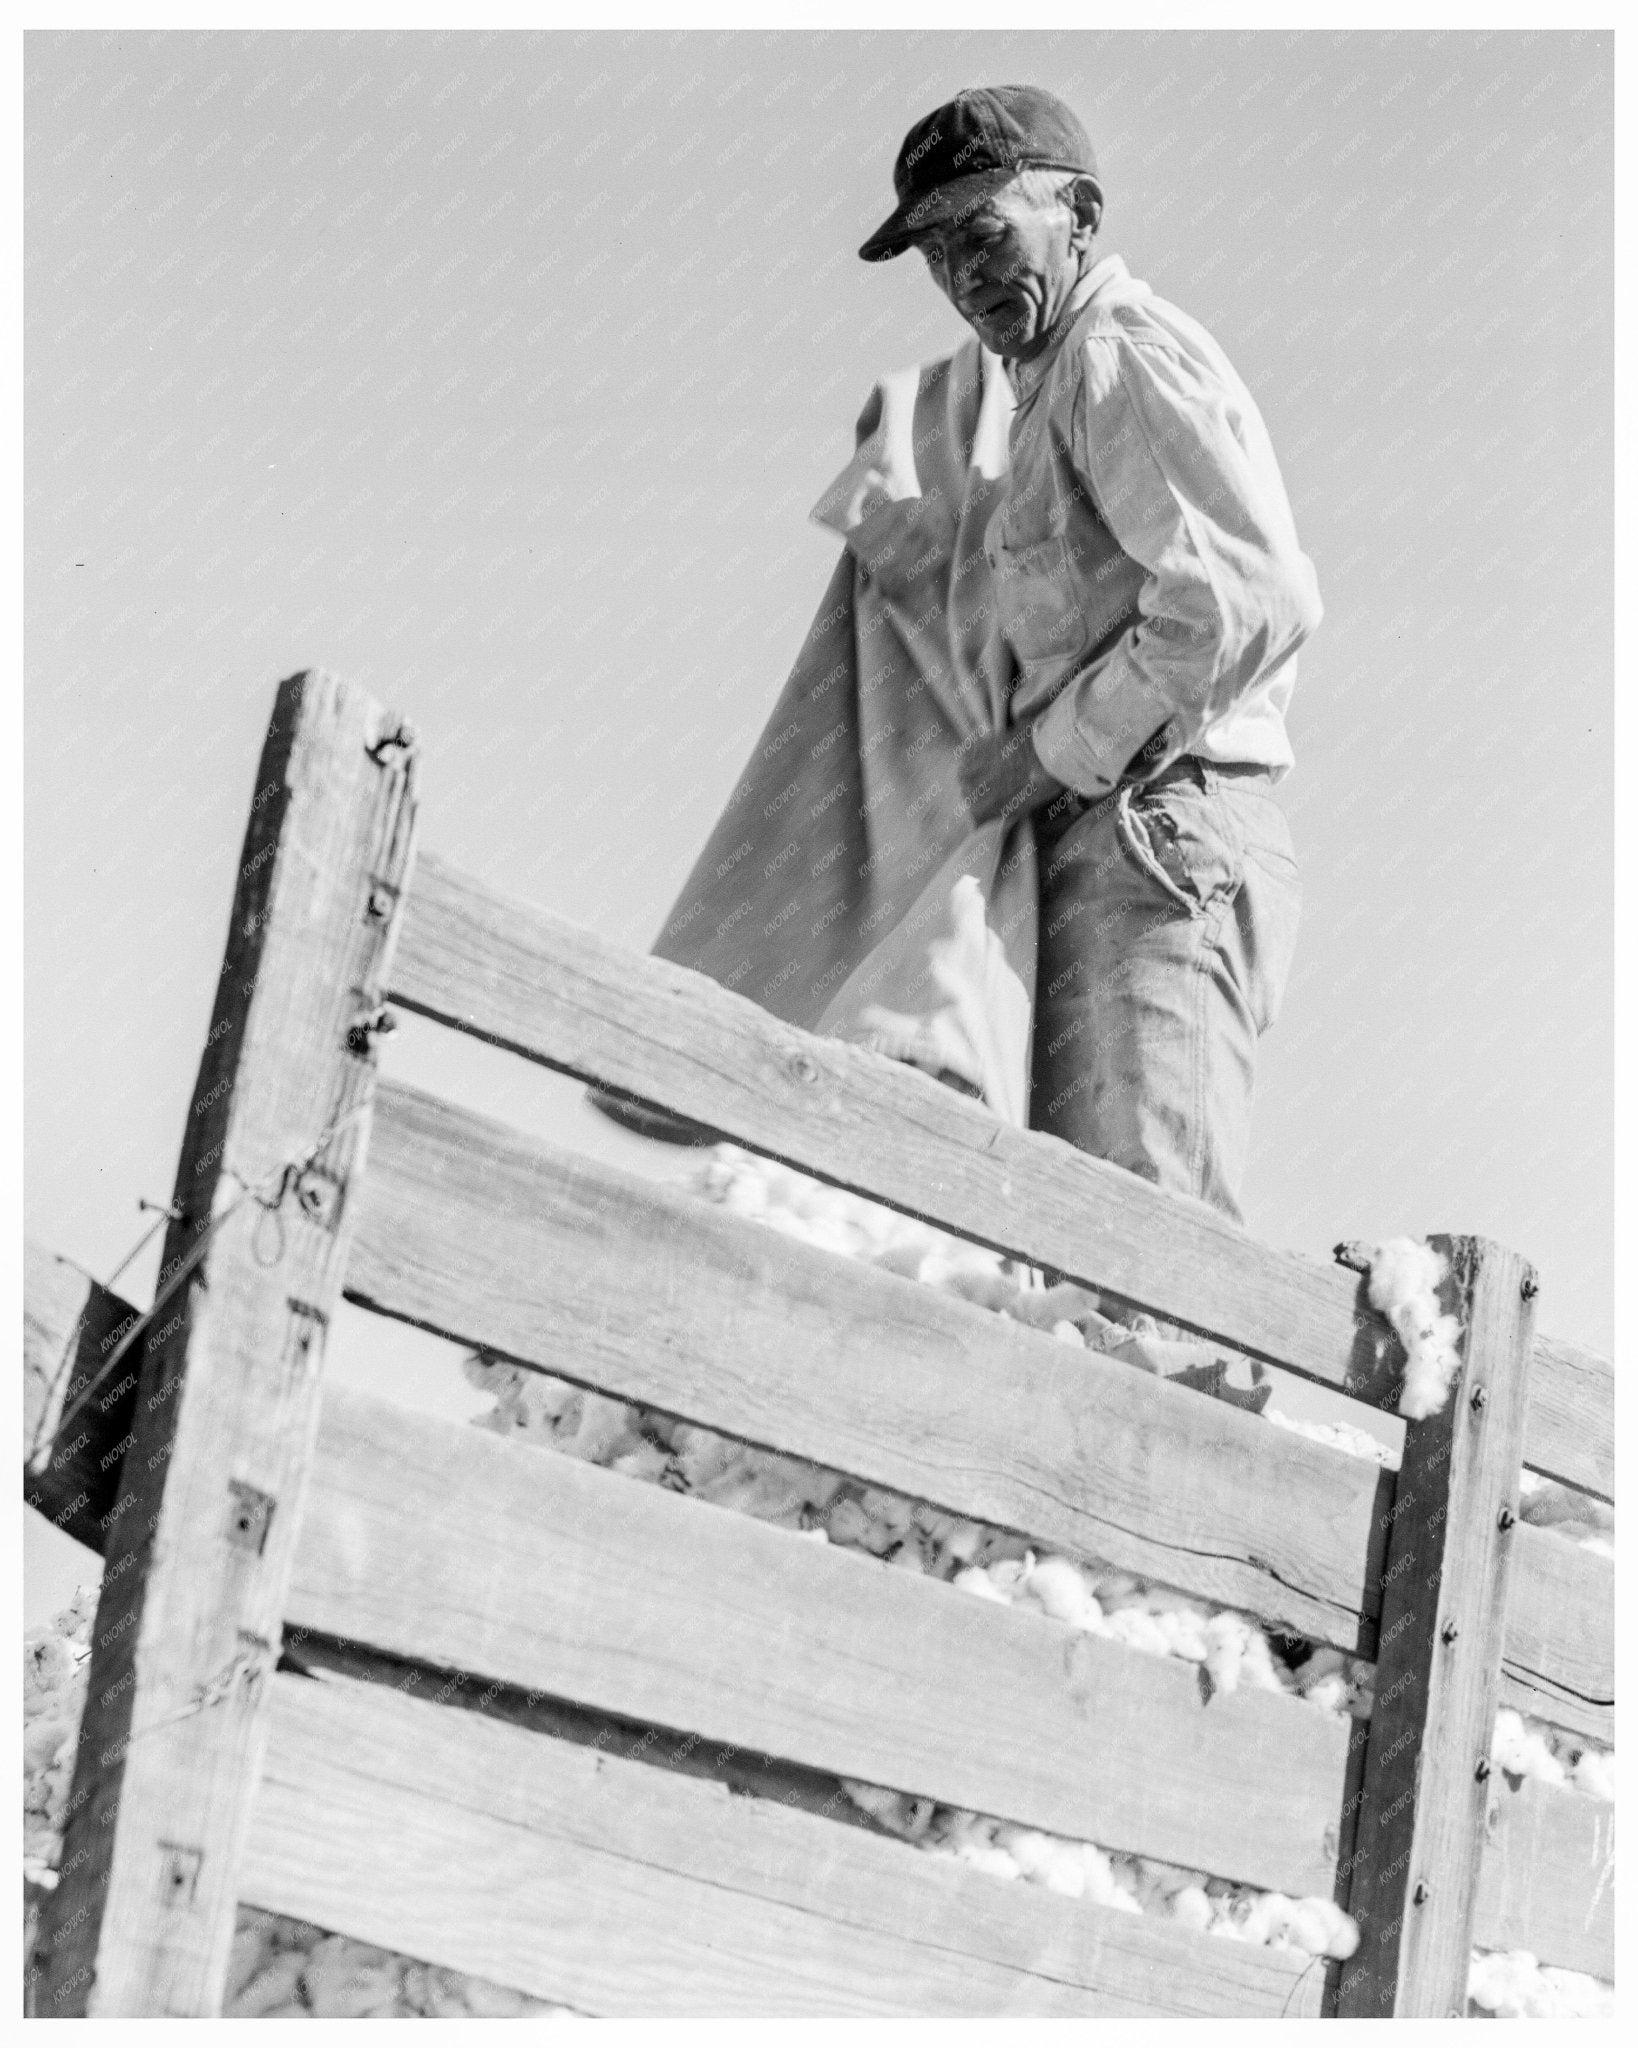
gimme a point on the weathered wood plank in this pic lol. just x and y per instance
(204, 1531)
(1547, 1877)
(456, 1548)
(520, 977)
(648, 1291)
(1570, 1431)
(1558, 1661)
(619, 1888)
(492, 1238)
(1415, 1862)
(71, 1326)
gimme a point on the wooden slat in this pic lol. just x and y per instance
(1547, 1877)
(210, 1494)
(481, 1233)
(453, 1547)
(1559, 1655)
(492, 1238)
(619, 1888)
(1145, 1464)
(516, 975)
(71, 1326)
(1415, 1860)
(1570, 1431)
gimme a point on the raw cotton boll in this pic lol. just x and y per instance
(1066, 1333)
(757, 1484)
(992, 1861)
(1137, 1630)
(1501, 1982)
(1567, 1995)
(882, 1805)
(1594, 1773)
(977, 1581)
(1330, 1696)
(346, 1979)
(1115, 1588)
(1192, 1909)
(1309, 1927)
(906, 1260)
(1258, 1669)
(1121, 1901)
(49, 1665)
(908, 1557)
(889, 1510)
(1028, 1847)
(745, 1195)
(1404, 1286)
(43, 1740)
(1064, 1870)
(601, 1431)
(1522, 1752)
(961, 1545)
(847, 1522)
(489, 1375)
(1227, 1637)
(646, 1462)
(496, 2001)
(1321, 1663)
(1057, 1588)
(1099, 1873)
(251, 1952)
(275, 1986)
(1008, 1574)
(983, 1290)
(702, 1455)
(1185, 1634)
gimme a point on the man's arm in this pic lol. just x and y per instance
(1183, 473)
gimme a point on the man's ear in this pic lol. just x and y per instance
(1087, 203)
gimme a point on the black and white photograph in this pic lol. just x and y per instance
(729, 732)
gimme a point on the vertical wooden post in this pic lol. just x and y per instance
(199, 1550)
(1438, 1671)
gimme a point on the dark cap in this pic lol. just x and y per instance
(973, 145)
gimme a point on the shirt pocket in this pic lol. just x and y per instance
(1037, 595)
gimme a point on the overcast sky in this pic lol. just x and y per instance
(499, 372)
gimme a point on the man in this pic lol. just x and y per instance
(1152, 597)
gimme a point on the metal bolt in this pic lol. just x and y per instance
(1481, 1770)
(400, 739)
(1419, 1896)
(1477, 1399)
(1505, 1519)
(379, 907)
(1449, 1632)
(1529, 1287)
(376, 1023)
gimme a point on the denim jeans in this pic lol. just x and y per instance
(1168, 919)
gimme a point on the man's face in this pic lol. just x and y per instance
(1008, 269)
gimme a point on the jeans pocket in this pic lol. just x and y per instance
(1184, 842)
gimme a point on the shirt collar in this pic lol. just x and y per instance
(1026, 378)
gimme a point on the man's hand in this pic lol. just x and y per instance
(1002, 776)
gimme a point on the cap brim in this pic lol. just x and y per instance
(933, 209)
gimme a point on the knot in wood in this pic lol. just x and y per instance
(804, 1067)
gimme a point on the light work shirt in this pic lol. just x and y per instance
(1146, 567)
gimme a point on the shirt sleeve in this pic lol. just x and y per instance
(1177, 460)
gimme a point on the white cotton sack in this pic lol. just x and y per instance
(1404, 1287)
